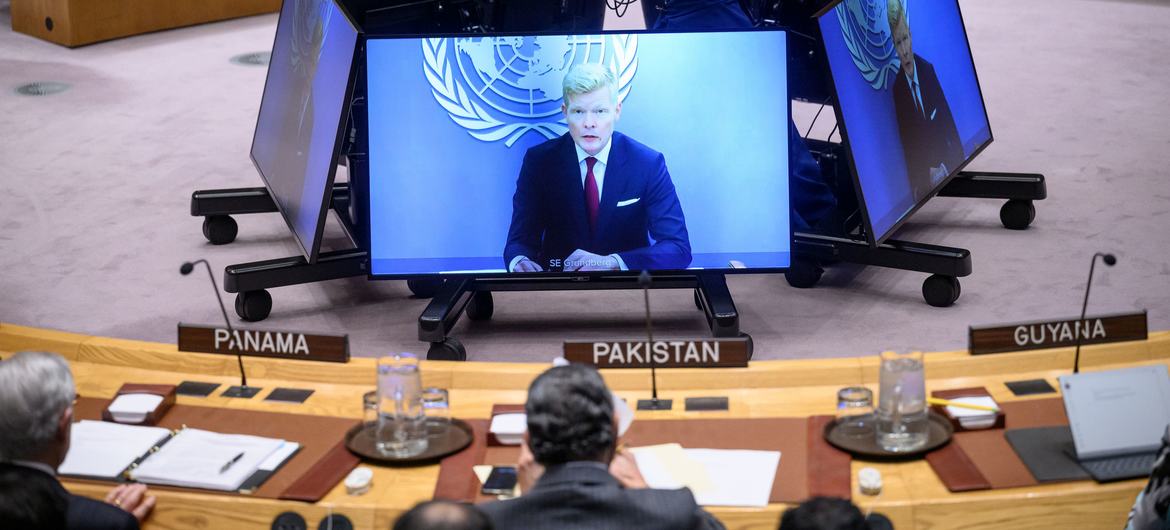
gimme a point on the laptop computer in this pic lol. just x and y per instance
(1117, 418)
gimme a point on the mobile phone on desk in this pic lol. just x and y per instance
(501, 481)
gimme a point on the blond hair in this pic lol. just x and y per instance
(584, 78)
(895, 12)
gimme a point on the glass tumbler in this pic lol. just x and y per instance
(855, 411)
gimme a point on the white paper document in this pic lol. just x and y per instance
(196, 458)
(103, 449)
(717, 477)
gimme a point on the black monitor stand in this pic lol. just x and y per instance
(843, 240)
(473, 296)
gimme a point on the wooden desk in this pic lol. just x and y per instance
(913, 496)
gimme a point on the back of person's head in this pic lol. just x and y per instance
(35, 389)
(583, 78)
(823, 513)
(443, 515)
(29, 500)
(570, 416)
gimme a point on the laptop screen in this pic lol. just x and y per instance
(1117, 412)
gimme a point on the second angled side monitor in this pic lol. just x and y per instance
(908, 99)
(669, 154)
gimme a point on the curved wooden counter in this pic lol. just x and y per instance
(913, 496)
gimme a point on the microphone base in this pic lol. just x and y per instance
(655, 404)
(246, 392)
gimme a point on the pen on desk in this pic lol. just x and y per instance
(231, 462)
(949, 403)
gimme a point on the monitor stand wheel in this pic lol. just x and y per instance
(220, 229)
(481, 306)
(254, 306)
(940, 290)
(449, 349)
(803, 273)
(424, 288)
(1017, 214)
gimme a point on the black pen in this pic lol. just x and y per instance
(229, 463)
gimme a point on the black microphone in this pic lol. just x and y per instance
(653, 403)
(1109, 260)
(243, 390)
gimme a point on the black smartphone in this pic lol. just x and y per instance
(501, 481)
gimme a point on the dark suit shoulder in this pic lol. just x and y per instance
(633, 148)
(550, 147)
(89, 514)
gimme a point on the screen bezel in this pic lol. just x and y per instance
(875, 240)
(592, 275)
(312, 250)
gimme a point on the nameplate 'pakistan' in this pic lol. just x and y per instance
(689, 353)
(264, 343)
(1058, 333)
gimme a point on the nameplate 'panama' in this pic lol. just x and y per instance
(264, 343)
(1058, 333)
(676, 353)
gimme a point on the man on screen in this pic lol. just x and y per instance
(592, 199)
(930, 140)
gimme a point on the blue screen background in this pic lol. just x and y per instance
(869, 118)
(715, 105)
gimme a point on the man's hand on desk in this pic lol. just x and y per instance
(133, 499)
(624, 468)
(527, 265)
(581, 260)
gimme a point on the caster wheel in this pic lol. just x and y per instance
(1017, 214)
(424, 288)
(803, 273)
(481, 306)
(751, 345)
(698, 300)
(448, 350)
(254, 306)
(220, 229)
(941, 291)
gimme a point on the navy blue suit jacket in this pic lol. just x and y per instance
(548, 209)
(81, 513)
(927, 140)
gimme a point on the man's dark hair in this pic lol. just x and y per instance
(29, 500)
(443, 515)
(570, 416)
(823, 513)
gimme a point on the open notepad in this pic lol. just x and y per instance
(717, 477)
(191, 458)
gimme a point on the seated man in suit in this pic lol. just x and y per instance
(571, 474)
(442, 515)
(930, 140)
(587, 200)
(36, 397)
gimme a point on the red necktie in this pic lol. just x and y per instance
(592, 197)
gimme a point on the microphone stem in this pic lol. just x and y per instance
(650, 346)
(1084, 307)
(226, 320)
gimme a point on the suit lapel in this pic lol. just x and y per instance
(570, 168)
(615, 184)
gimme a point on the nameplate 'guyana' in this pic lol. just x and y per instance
(264, 343)
(1058, 333)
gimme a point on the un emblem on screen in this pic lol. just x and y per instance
(867, 35)
(500, 88)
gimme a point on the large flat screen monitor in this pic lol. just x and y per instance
(303, 113)
(908, 101)
(669, 154)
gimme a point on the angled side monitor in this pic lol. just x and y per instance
(479, 165)
(908, 101)
(303, 113)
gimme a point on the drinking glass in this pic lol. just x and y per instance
(437, 406)
(855, 411)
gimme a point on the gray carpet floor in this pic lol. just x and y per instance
(95, 185)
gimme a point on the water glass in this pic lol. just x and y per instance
(437, 406)
(370, 407)
(402, 429)
(855, 411)
(902, 424)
